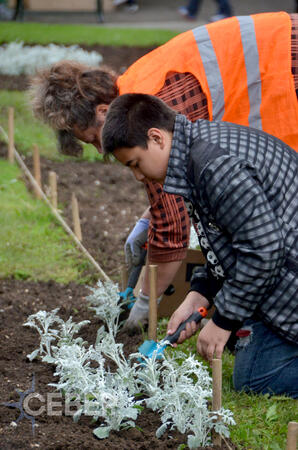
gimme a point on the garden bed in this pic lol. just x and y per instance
(18, 300)
(110, 202)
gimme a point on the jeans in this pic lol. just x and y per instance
(193, 7)
(265, 363)
(223, 7)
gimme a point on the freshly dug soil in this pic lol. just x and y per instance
(110, 201)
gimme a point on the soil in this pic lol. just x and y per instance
(110, 201)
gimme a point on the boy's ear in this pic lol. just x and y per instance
(156, 135)
(101, 112)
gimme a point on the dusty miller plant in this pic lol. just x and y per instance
(16, 58)
(98, 391)
(177, 387)
(180, 392)
(43, 322)
(104, 301)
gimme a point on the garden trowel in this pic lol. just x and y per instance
(152, 348)
(132, 281)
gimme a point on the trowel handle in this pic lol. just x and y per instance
(195, 317)
(136, 270)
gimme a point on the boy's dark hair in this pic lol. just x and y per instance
(129, 118)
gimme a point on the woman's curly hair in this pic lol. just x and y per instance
(67, 93)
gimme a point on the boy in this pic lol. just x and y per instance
(242, 184)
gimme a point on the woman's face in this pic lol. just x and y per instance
(91, 135)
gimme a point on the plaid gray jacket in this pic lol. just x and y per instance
(243, 185)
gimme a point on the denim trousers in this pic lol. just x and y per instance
(224, 7)
(265, 363)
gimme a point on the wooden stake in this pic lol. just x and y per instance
(76, 217)
(53, 188)
(216, 392)
(152, 302)
(11, 135)
(37, 173)
(292, 436)
(124, 278)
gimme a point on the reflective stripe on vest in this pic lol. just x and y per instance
(251, 56)
(212, 70)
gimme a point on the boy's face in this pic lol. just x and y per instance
(148, 163)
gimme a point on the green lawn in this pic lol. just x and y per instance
(29, 131)
(32, 245)
(37, 33)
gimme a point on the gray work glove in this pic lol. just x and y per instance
(135, 243)
(138, 316)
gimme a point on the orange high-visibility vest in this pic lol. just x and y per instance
(243, 65)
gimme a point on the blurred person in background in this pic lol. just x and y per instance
(190, 11)
(14, 13)
(5, 12)
(130, 5)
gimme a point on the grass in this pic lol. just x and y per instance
(32, 245)
(261, 421)
(28, 131)
(37, 33)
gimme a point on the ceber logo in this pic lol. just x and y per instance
(53, 404)
(22, 403)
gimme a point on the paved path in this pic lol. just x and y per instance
(160, 14)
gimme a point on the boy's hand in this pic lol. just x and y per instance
(192, 302)
(211, 341)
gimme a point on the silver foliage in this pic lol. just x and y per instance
(17, 58)
(177, 387)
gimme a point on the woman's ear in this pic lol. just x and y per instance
(101, 112)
